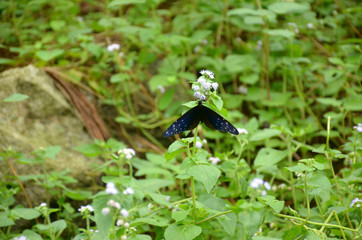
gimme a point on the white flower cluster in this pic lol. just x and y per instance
(294, 26)
(214, 160)
(356, 202)
(358, 127)
(111, 189)
(127, 152)
(89, 208)
(204, 85)
(257, 182)
(129, 191)
(113, 47)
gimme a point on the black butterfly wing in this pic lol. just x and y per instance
(215, 121)
(187, 121)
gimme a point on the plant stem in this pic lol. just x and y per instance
(192, 178)
(290, 162)
(216, 215)
(307, 198)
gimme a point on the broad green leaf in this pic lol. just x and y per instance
(330, 101)
(176, 146)
(265, 134)
(267, 157)
(119, 77)
(5, 220)
(182, 232)
(47, 55)
(58, 225)
(300, 168)
(166, 99)
(353, 103)
(279, 33)
(90, 150)
(104, 222)
(217, 101)
(152, 220)
(287, 7)
(31, 235)
(180, 215)
(78, 194)
(119, 3)
(139, 237)
(17, 97)
(162, 80)
(160, 199)
(57, 25)
(336, 61)
(173, 154)
(25, 213)
(152, 185)
(228, 222)
(273, 203)
(206, 174)
(253, 20)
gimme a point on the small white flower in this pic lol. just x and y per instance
(354, 201)
(310, 25)
(256, 182)
(105, 211)
(201, 80)
(214, 160)
(215, 85)
(124, 237)
(196, 49)
(204, 141)
(84, 208)
(358, 127)
(207, 85)
(161, 88)
(282, 186)
(126, 225)
(129, 191)
(175, 209)
(199, 96)
(121, 54)
(242, 131)
(242, 89)
(111, 189)
(119, 222)
(129, 152)
(150, 205)
(124, 212)
(210, 74)
(204, 41)
(80, 19)
(198, 144)
(168, 198)
(263, 193)
(195, 87)
(202, 72)
(114, 204)
(113, 47)
(267, 185)
(43, 204)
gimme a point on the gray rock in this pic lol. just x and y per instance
(44, 119)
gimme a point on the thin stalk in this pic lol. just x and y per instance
(214, 216)
(290, 162)
(192, 178)
(307, 198)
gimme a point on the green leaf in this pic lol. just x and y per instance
(265, 134)
(217, 101)
(17, 97)
(273, 203)
(182, 232)
(31, 235)
(152, 220)
(162, 80)
(78, 194)
(25, 213)
(5, 220)
(353, 103)
(160, 199)
(4, 61)
(139, 237)
(228, 222)
(287, 7)
(58, 225)
(166, 99)
(153, 185)
(173, 154)
(118, 3)
(279, 33)
(52, 152)
(206, 174)
(90, 150)
(300, 168)
(251, 20)
(57, 25)
(267, 157)
(176, 146)
(119, 77)
(47, 55)
(104, 222)
(330, 101)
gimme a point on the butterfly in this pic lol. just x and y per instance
(198, 114)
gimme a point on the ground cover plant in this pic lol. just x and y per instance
(286, 74)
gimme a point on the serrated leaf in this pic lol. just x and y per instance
(152, 220)
(273, 203)
(182, 232)
(206, 174)
(287, 7)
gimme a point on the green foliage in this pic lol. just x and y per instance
(288, 73)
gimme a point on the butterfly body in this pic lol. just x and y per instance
(198, 114)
